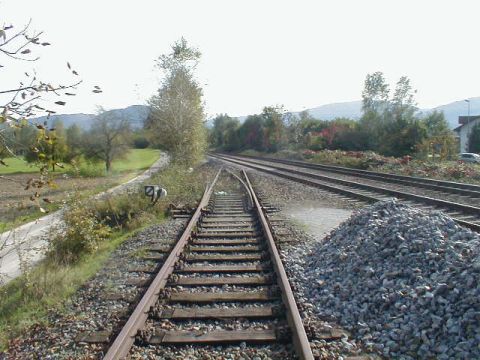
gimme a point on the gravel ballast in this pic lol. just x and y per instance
(403, 280)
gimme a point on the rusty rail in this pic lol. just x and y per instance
(250, 198)
(122, 344)
(300, 340)
(125, 339)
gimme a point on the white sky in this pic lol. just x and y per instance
(300, 54)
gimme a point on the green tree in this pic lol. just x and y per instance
(59, 148)
(375, 103)
(401, 130)
(108, 139)
(140, 140)
(75, 142)
(176, 121)
(51, 148)
(375, 93)
(25, 139)
(404, 96)
(293, 130)
(274, 132)
(251, 133)
(436, 124)
(390, 126)
(222, 124)
(232, 140)
(439, 141)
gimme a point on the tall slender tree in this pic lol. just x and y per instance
(176, 121)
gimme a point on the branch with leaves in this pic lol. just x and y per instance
(19, 104)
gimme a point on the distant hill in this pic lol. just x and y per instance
(136, 115)
(353, 110)
(350, 109)
(82, 120)
(453, 110)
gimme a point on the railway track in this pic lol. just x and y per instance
(225, 266)
(470, 190)
(460, 202)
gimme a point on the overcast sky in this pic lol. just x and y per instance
(300, 54)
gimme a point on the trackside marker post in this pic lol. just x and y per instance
(154, 192)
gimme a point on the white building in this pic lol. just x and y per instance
(464, 130)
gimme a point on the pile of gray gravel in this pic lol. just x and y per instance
(403, 280)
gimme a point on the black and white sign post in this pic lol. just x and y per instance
(155, 192)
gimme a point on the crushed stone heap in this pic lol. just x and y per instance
(401, 279)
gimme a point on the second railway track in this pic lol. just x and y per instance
(467, 214)
(225, 266)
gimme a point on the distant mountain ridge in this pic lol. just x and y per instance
(457, 108)
(349, 109)
(137, 114)
(353, 110)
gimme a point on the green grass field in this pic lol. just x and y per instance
(16, 165)
(136, 159)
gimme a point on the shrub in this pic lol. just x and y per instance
(87, 169)
(129, 210)
(80, 234)
(141, 142)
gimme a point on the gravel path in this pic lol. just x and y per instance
(25, 245)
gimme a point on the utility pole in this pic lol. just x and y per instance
(468, 127)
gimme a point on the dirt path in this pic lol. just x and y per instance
(26, 243)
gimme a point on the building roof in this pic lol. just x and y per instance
(463, 120)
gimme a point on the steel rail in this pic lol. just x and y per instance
(300, 340)
(336, 189)
(245, 186)
(424, 199)
(125, 339)
(441, 185)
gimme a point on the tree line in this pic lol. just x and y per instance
(175, 123)
(390, 125)
(109, 138)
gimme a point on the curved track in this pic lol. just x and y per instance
(225, 266)
(463, 208)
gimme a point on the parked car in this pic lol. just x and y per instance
(470, 157)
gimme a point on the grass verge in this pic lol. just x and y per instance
(26, 300)
(18, 213)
